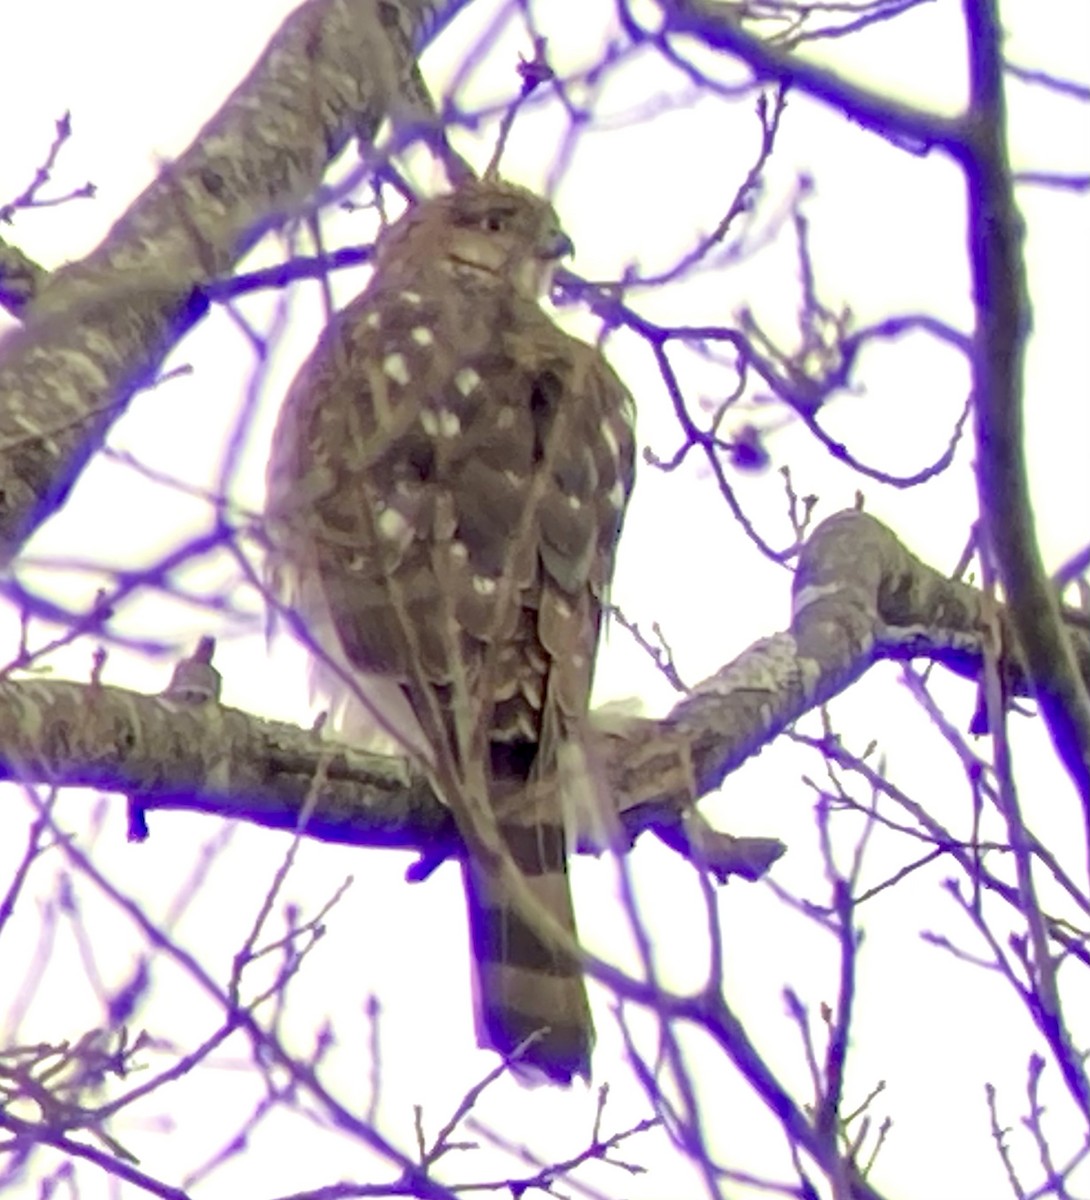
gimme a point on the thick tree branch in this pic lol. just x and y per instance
(860, 597)
(97, 330)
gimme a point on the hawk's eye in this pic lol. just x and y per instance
(493, 222)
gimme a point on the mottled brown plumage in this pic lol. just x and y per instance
(446, 489)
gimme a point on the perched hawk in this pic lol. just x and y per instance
(446, 490)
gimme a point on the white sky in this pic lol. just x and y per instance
(887, 233)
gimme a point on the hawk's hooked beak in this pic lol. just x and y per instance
(556, 244)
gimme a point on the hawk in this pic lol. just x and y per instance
(446, 489)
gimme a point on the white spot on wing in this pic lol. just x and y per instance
(395, 367)
(466, 380)
(440, 422)
(616, 495)
(610, 439)
(372, 320)
(391, 524)
(483, 586)
(411, 297)
(574, 502)
(513, 478)
(460, 551)
(422, 335)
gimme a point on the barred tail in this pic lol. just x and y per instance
(523, 985)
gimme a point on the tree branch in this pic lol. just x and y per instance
(97, 330)
(717, 25)
(1001, 302)
(859, 597)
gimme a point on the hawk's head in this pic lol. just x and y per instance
(489, 231)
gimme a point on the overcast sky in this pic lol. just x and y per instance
(887, 237)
